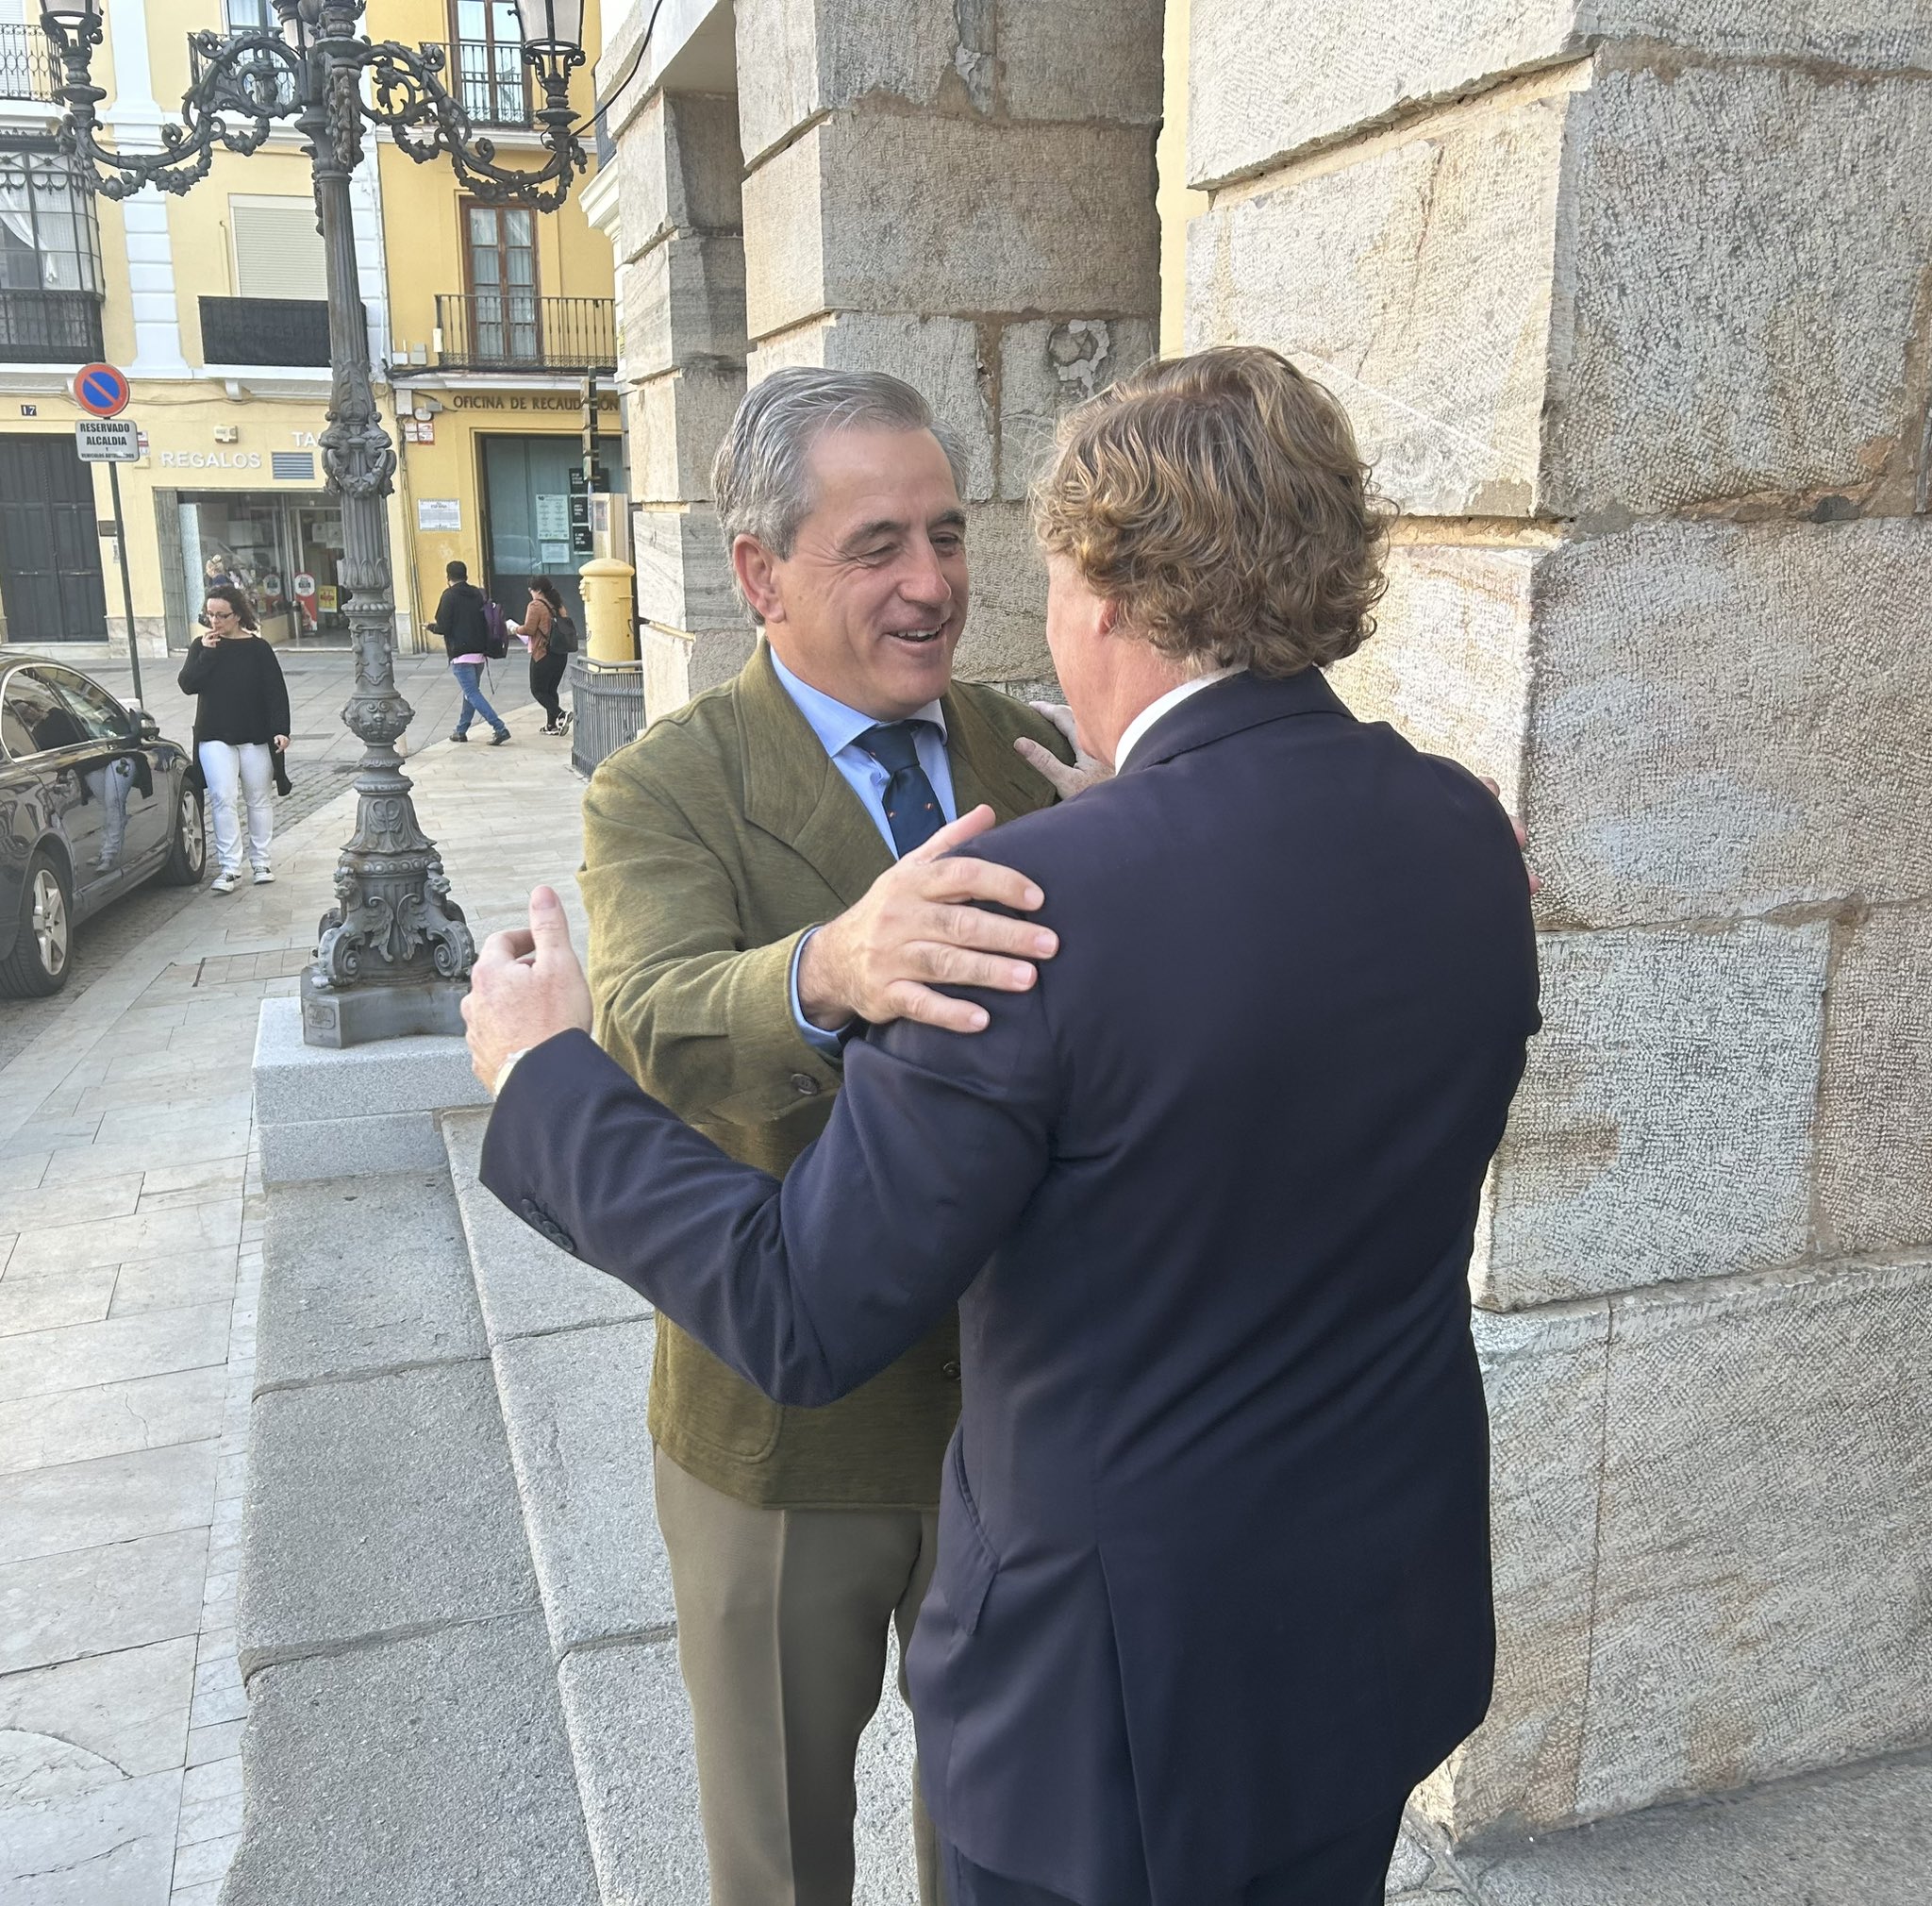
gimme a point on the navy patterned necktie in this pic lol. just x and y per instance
(913, 806)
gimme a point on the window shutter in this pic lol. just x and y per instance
(277, 249)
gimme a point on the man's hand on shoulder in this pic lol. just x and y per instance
(526, 987)
(1067, 781)
(918, 927)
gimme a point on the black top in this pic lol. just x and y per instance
(459, 621)
(240, 693)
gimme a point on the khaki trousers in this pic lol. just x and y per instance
(782, 1619)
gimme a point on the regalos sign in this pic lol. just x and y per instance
(211, 459)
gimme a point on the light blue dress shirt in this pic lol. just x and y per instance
(838, 729)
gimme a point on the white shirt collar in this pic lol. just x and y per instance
(1156, 708)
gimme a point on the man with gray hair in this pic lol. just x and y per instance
(763, 874)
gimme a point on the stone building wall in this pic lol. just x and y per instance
(1630, 302)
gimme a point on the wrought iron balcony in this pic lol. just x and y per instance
(26, 65)
(267, 331)
(515, 330)
(490, 81)
(50, 327)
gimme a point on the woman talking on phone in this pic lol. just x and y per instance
(241, 722)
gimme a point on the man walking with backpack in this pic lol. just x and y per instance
(472, 631)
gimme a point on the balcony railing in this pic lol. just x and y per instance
(26, 65)
(490, 81)
(516, 330)
(50, 327)
(277, 331)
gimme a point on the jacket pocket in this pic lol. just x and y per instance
(967, 1562)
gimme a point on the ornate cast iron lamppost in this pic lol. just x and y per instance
(394, 953)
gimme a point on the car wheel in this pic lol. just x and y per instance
(187, 852)
(43, 946)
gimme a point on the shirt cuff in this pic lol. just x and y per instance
(829, 1044)
(504, 1071)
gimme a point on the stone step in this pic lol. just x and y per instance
(571, 1352)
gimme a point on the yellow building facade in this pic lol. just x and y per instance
(482, 323)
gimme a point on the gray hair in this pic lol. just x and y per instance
(759, 481)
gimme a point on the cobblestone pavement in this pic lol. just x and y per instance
(130, 1224)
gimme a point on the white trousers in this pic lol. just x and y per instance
(235, 775)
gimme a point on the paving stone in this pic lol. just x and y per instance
(107, 1198)
(94, 1601)
(119, 1715)
(574, 1406)
(145, 1413)
(295, 1081)
(108, 1499)
(1859, 1837)
(113, 1844)
(433, 1770)
(174, 1283)
(526, 1285)
(48, 1303)
(637, 1768)
(374, 1505)
(120, 1240)
(364, 1274)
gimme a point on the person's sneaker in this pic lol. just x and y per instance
(458, 735)
(264, 877)
(225, 883)
(497, 740)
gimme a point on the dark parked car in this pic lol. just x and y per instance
(92, 802)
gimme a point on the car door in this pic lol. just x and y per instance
(64, 755)
(122, 777)
(20, 812)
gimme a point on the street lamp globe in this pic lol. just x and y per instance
(552, 37)
(70, 16)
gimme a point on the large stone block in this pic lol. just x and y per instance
(680, 168)
(676, 425)
(637, 1768)
(574, 1407)
(797, 59)
(684, 299)
(1663, 1128)
(1761, 1568)
(1874, 1113)
(361, 1275)
(1449, 664)
(1545, 1376)
(1005, 638)
(1071, 225)
(1080, 59)
(945, 360)
(1729, 720)
(433, 1769)
(718, 654)
(683, 579)
(375, 1506)
(1048, 366)
(1417, 284)
(1269, 79)
(1762, 345)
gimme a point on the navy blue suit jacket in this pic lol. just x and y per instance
(1213, 1568)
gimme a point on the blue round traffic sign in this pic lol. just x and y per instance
(101, 390)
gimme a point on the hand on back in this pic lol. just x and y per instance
(918, 927)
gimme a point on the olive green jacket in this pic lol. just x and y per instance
(711, 846)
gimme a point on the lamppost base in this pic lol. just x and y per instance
(359, 1015)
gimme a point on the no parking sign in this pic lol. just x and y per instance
(101, 390)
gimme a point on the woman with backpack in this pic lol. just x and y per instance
(547, 631)
(471, 628)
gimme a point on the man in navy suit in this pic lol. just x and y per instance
(1212, 1590)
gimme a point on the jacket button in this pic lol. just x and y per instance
(805, 1085)
(950, 1371)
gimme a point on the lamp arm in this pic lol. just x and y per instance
(405, 97)
(241, 85)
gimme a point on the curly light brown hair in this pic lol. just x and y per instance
(1218, 499)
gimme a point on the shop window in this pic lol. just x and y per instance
(278, 251)
(284, 551)
(502, 256)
